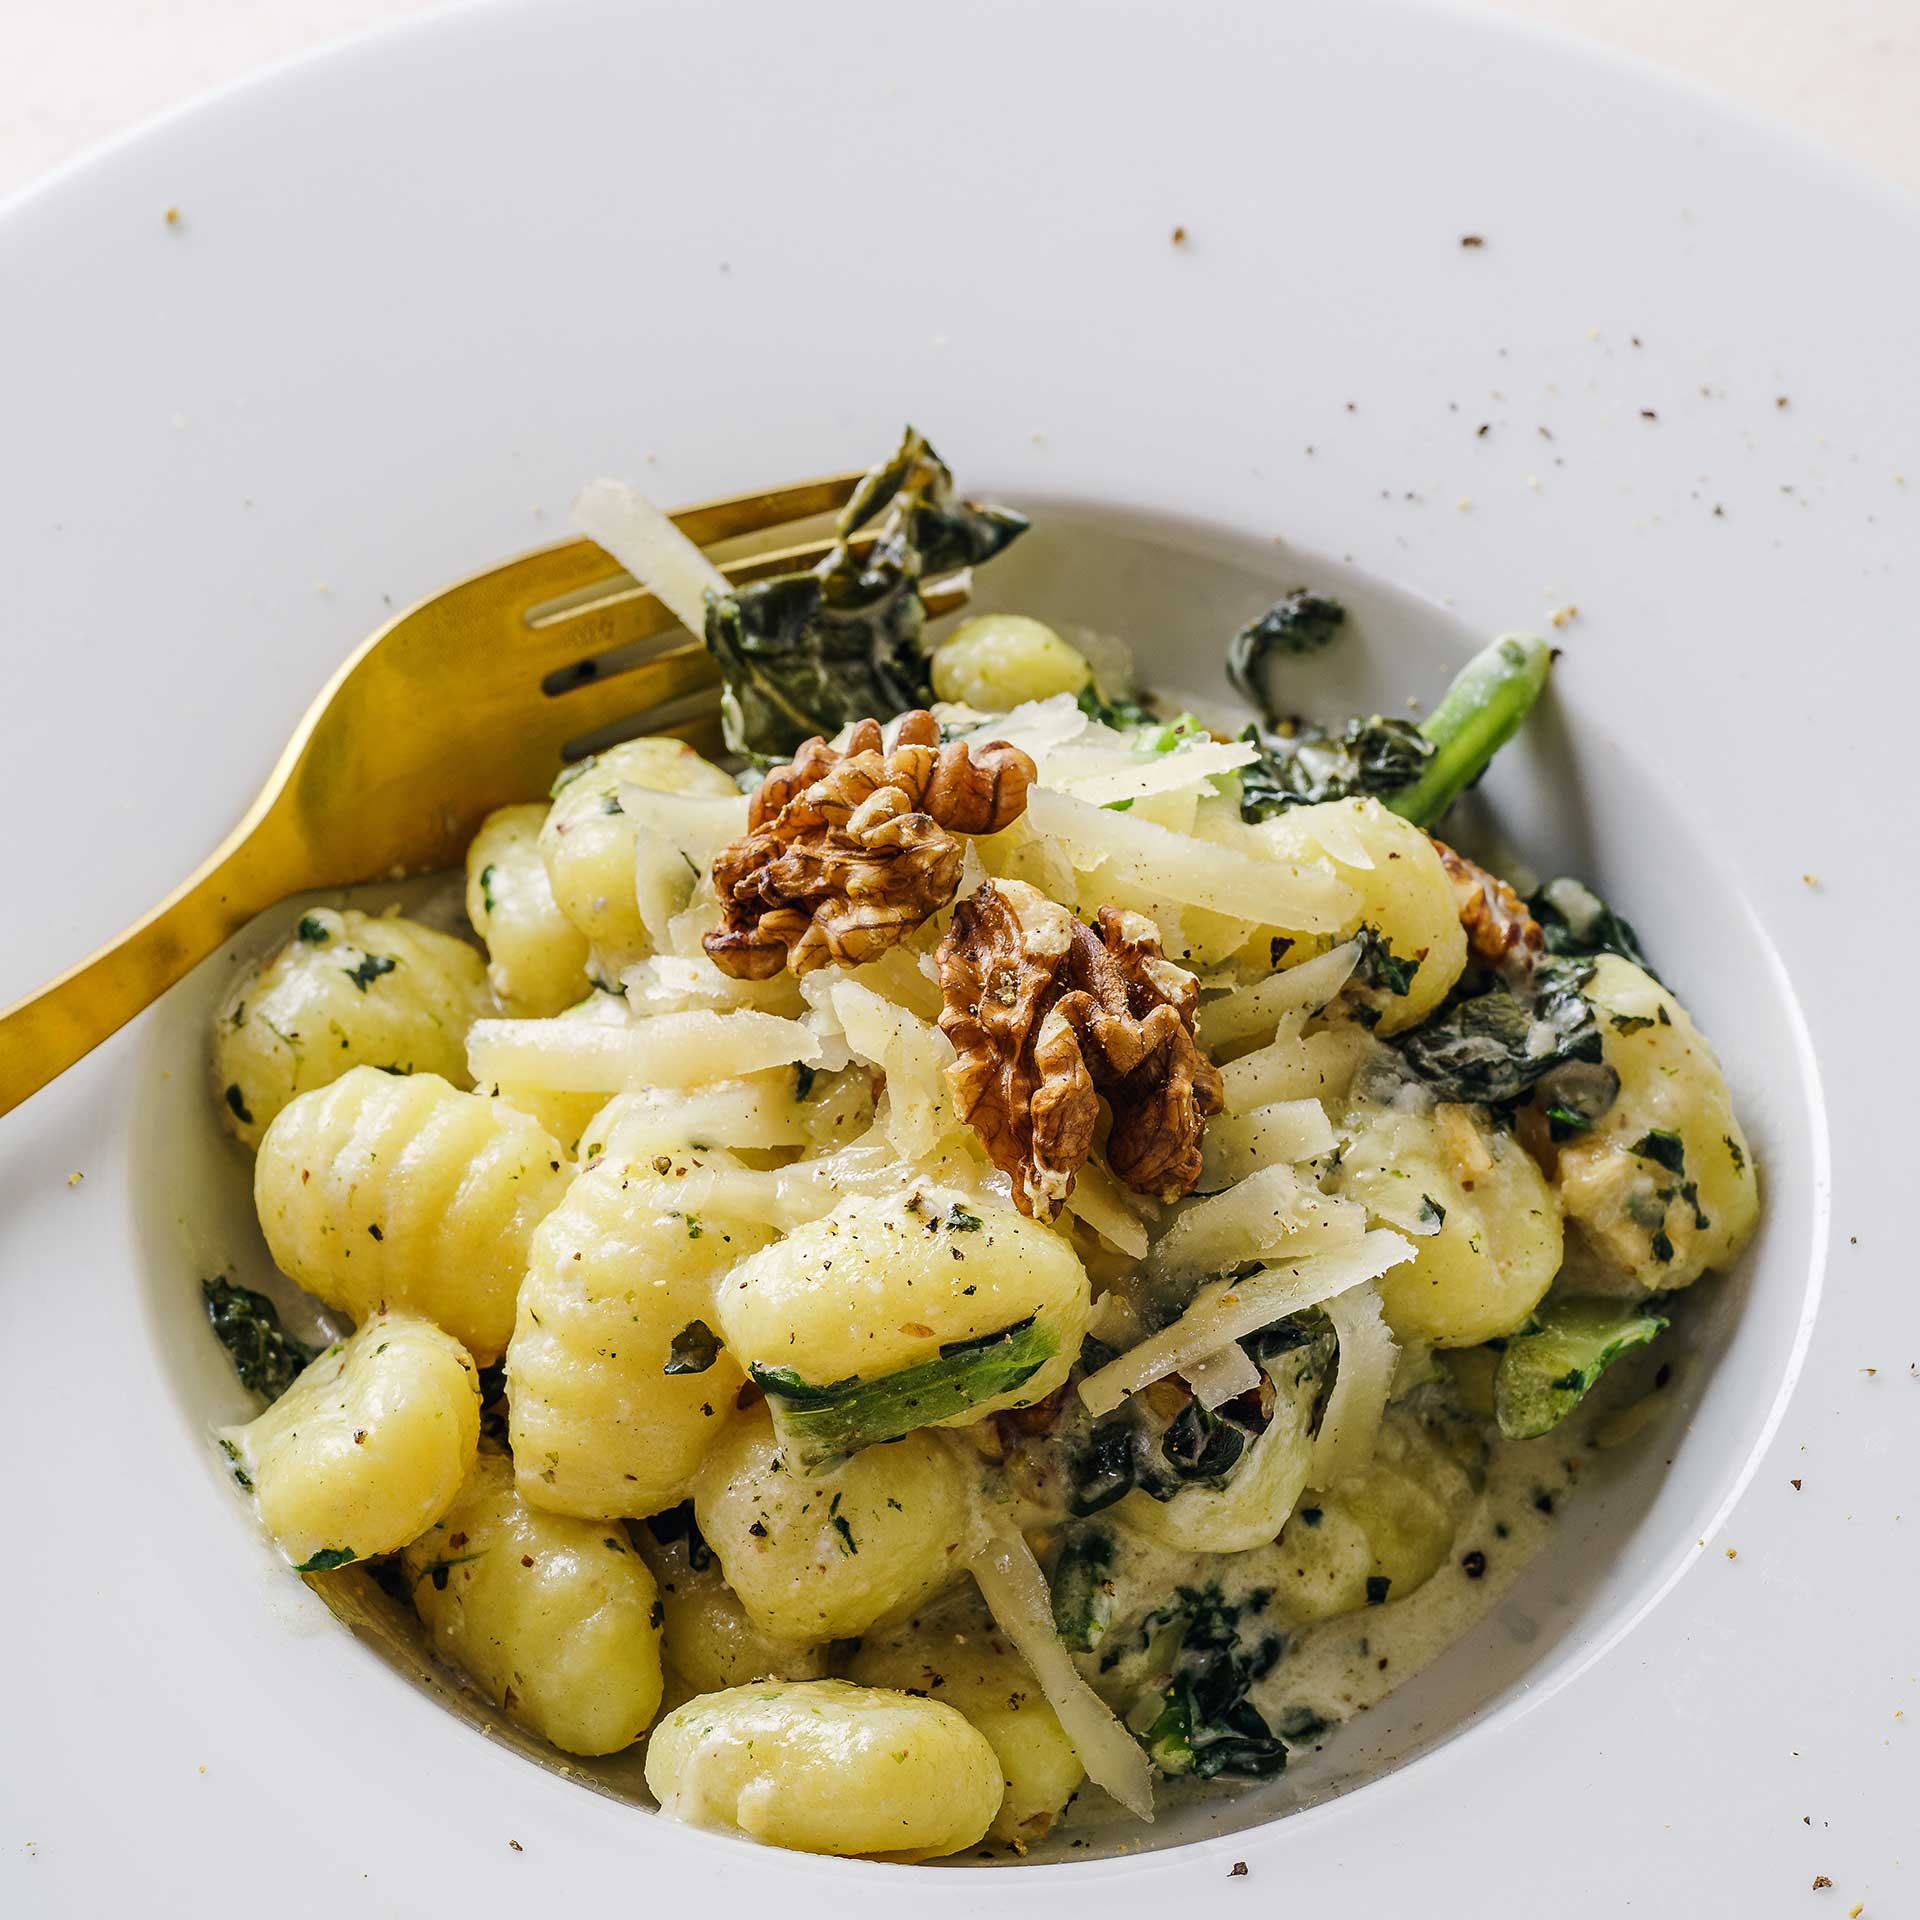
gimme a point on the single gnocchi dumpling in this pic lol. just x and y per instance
(1253, 1505)
(1405, 898)
(919, 1309)
(1408, 1501)
(536, 956)
(348, 990)
(1484, 1223)
(557, 1619)
(710, 1644)
(410, 1194)
(367, 1448)
(1664, 1187)
(974, 1671)
(817, 1558)
(997, 661)
(617, 1382)
(590, 846)
(827, 1767)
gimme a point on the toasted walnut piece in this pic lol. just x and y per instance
(1046, 1018)
(1500, 930)
(848, 851)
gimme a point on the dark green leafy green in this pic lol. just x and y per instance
(828, 1422)
(805, 653)
(1546, 1372)
(1663, 1147)
(693, 1349)
(313, 932)
(327, 1559)
(267, 1358)
(1302, 623)
(371, 967)
(1575, 920)
(1418, 771)
(1494, 1046)
(1207, 1726)
(1083, 1590)
(1121, 715)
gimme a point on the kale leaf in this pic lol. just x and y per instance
(1496, 1046)
(1302, 623)
(267, 1358)
(1306, 765)
(1120, 715)
(1082, 1590)
(1576, 920)
(805, 653)
(1206, 1725)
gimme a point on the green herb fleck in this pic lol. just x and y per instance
(693, 1349)
(959, 1220)
(237, 1101)
(1663, 1147)
(486, 887)
(1432, 1213)
(1377, 1585)
(845, 1532)
(314, 932)
(327, 1559)
(371, 967)
(803, 1079)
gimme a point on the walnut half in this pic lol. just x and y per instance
(1499, 928)
(847, 852)
(1047, 1017)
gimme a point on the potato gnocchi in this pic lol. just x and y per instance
(962, 1268)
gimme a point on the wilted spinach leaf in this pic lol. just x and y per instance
(1302, 623)
(1495, 1046)
(267, 1358)
(805, 653)
(1576, 920)
(1303, 767)
(1206, 1725)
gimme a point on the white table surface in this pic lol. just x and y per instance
(1846, 72)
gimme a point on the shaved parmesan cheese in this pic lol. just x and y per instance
(1291, 1069)
(679, 835)
(667, 1050)
(651, 548)
(1230, 1309)
(913, 1054)
(1163, 773)
(1222, 1375)
(1097, 1198)
(1299, 992)
(1332, 830)
(1270, 1215)
(1015, 1591)
(673, 982)
(1197, 873)
(1284, 1132)
(1361, 1384)
(758, 1110)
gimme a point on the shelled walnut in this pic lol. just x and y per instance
(1500, 930)
(848, 851)
(1047, 1017)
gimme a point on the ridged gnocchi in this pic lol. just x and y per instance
(1496, 1240)
(558, 1620)
(367, 1448)
(407, 1193)
(817, 1558)
(827, 1767)
(1663, 1188)
(348, 990)
(972, 1670)
(590, 846)
(618, 1289)
(536, 957)
(900, 1312)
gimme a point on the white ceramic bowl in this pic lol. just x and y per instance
(425, 286)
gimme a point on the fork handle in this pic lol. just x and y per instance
(44, 1034)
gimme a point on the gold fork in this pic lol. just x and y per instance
(464, 703)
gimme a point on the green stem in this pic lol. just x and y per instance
(826, 1423)
(1481, 712)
